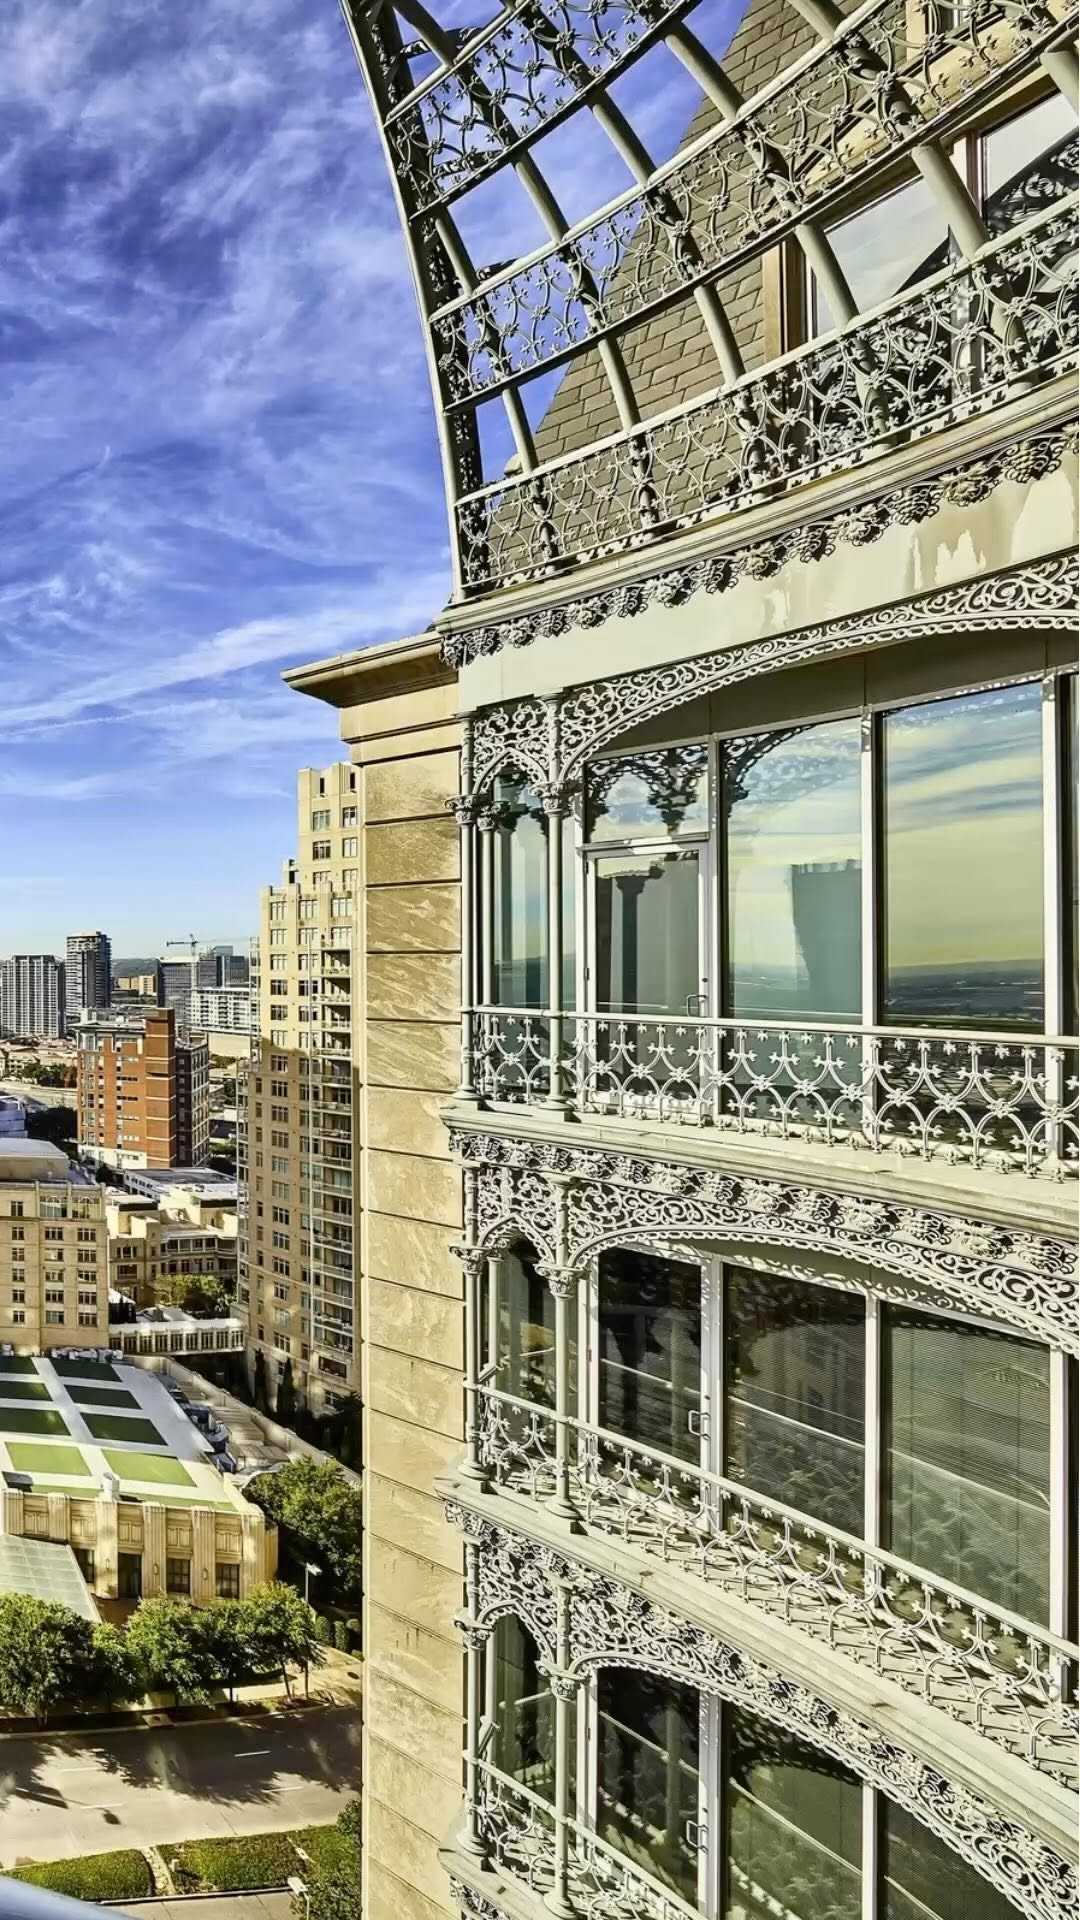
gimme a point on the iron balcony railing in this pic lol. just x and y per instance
(517, 1829)
(1004, 1101)
(965, 340)
(1010, 1679)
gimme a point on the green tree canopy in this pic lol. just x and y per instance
(46, 1654)
(172, 1644)
(280, 1629)
(322, 1513)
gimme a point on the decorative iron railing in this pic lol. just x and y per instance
(1008, 1678)
(1001, 1101)
(893, 75)
(961, 343)
(517, 1829)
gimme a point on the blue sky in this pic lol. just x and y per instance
(218, 456)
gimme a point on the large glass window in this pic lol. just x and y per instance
(792, 1827)
(525, 1311)
(967, 1457)
(794, 1394)
(882, 248)
(923, 1879)
(647, 1774)
(792, 860)
(647, 932)
(649, 1312)
(963, 861)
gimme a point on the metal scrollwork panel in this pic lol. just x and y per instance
(610, 1625)
(1025, 1279)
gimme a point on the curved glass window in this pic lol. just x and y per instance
(967, 1457)
(794, 1394)
(649, 1311)
(923, 1879)
(963, 861)
(525, 1336)
(523, 1743)
(792, 1827)
(647, 1774)
(793, 867)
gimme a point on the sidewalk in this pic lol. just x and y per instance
(213, 1906)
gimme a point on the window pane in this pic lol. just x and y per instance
(647, 932)
(649, 796)
(519, 934)
(792, 858)
(1009, 150)
(526, 1317)
(523, 1744)
(793, 1827)
(650, 1350)
(795, 1394)
(647, 1774)
(963, 860)
(923, 1879)
(967, 1457)
(882, 248)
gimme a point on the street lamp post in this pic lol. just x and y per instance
(310, 1567)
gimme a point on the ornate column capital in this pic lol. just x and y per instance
(563, 1282)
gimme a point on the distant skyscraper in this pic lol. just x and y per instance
(88, 981)
(32, 996)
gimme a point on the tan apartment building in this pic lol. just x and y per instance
(734, 1454)
(297, 1119)
(156, 1252)
(142, 1094)
(54, 1274)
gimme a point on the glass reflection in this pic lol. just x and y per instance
(526, 1329)
(967, 1457)
(793, 864)
(794, 1400)
(923, 1879)
(883, 248)
(650, 1351)
(523, 1710)
(649, 796)
(1009, 151)
(518, 934)
(647, 1773)
(793, 1828)
(963, 861)
(647, 933)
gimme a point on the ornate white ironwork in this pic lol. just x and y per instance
(891, 76)
(955, 347)
(519, 1831)
(612, 1625)
(981, 1099)
(1040, 597)
(907, 1252)
(1008, 1678)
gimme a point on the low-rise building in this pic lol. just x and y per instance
(158, 1254)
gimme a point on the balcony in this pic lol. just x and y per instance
(1009, 1678)
(996, 1101)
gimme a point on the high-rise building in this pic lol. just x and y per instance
(221, 1010)
(736, 1464)
(54, 1266)
(142, 1093)
(88, 975)
(32, 996)
(179, 979)
(296, 1149)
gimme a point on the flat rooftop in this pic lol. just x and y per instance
(78, 1426)
(22, 1160)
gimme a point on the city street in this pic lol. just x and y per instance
(69, 1793)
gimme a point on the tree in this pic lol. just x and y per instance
(172, 1645)
(205, 1295)
(115, 1677)
(332, 1888)
(286, 1396)
(228, 1629)
(46, 1654)
(280, 1630)
(321, 1512)
(260, 1392)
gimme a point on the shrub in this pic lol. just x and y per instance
(341, 1635)
(324, 1632)
(124, 1875)
(256, 1860)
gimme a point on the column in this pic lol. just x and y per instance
(476, 1639)
(474, 1262)
(555, 809)
(563, 1278)
(564, 1686)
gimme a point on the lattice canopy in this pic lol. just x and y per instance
(676, 256)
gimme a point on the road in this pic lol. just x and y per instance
(73, 1793)
(37, 1097)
